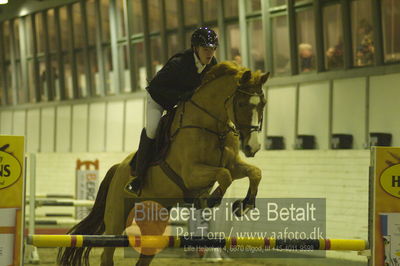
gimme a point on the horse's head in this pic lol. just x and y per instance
(248, 108)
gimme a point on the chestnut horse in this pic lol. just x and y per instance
(224, 115)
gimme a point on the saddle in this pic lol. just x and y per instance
(162, 140)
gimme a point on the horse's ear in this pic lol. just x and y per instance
(264, 78)
(245, 77)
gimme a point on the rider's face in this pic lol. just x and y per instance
(205, 54)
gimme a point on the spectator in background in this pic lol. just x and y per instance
(306, 56)
(334, 56)
(365, 48)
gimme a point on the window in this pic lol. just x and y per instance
(333, 37)
(137, 17)
(173, 47)
(52, 30)
(17, 48)
(78, 26)
(233, 43)
(256, 45)
(253, 6)
(190, 8)
(154, 15)
(171, 13)
(39, 33)
(91, 21)
(121, 19)
(274, 3)
(362, 33)
(140, 70)
(105, 20)
(391, 29)
(126, 75)
(210, 10)
(306, 40)
(281, 52)
(156, 63)
(231, 8)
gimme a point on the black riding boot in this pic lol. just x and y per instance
(143, 155)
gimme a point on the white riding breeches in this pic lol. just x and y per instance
(154, 112)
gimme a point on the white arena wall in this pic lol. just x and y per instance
(340, 176)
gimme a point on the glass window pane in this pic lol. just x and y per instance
(274, 3)
(140, 70)
(137, 18)
(69, 93)
(52, 30)
(333, 37)
(6, 40)
(281, 59)
(16, 38)
(81, 74)
(10, 93)
(154, 15)
(98, 86)
(110, 90)
(362, 33)
(43, 88)
(306, 40)
(39, 33)
(78, 25)
(172, 13)
(233, 43)
(391, 29)
(188, 36)
(155, 44)
(65, 32)
(31, 81)
(29, 37)
(55, 79)
(256, 45)
(21, 91)
(191, 12)
(91, 17)
(105, 20)
(173, 47)
(126, 77)
(210, 10)
(253, 6)
(121, 18)
(231, 8)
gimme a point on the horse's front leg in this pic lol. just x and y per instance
(241, 170)
(202, 175)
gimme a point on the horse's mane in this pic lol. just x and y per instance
(222, 69)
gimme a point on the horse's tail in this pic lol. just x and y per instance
(93, 224)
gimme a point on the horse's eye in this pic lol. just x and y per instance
(242, 104)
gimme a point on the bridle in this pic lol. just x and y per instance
(251, 127)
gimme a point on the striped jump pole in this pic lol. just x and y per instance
(182, 242)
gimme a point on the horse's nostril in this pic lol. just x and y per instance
(247, 148)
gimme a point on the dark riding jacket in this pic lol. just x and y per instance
(177, 80)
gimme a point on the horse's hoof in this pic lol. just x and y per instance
(215, 198)
(213, 201)
(240, 208)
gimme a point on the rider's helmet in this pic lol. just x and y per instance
(204, 37)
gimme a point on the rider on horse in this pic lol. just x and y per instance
(175, 82)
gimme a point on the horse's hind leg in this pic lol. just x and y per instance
(117, 210)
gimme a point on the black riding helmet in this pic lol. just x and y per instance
(204, 37)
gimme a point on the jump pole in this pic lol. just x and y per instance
(182, 242)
